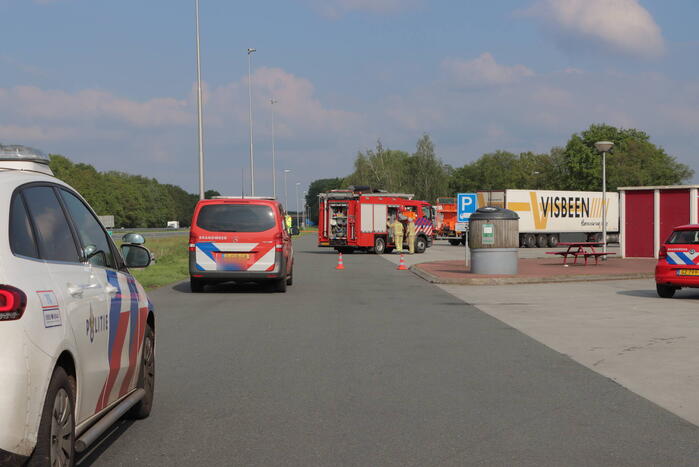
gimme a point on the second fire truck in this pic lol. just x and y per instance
(356, 219)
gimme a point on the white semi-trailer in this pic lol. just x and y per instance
(546, 214)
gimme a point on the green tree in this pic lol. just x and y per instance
(428, 176)
(634, 160)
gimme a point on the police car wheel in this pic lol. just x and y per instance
(55, 443)
(146, 377)
(665, 291)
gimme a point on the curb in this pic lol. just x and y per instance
(429, 277)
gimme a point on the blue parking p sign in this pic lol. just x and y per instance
(466, 204)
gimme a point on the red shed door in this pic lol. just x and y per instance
(674, 211)
(639, 224)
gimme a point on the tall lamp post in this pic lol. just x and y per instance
(286, 192)
(604, 147)
(274, 155)
(200, 131)
(305, 209)
(252, 157)
(298, 212)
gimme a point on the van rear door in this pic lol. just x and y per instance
(236, 236)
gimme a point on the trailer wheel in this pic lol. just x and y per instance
(529, 240)
(379, 245)
(553, 241)
(541, 240)
(454, 241)
(420, 244)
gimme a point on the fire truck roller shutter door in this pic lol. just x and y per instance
(380, 211)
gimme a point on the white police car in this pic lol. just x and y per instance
(77, 332)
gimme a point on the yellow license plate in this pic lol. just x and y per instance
(236, 255)
(688, 272)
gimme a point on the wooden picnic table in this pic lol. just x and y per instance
(577, 249)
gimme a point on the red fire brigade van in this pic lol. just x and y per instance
(355, 219)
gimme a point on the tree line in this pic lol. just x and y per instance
(634, 161)
(133, 200)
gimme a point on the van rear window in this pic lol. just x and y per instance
(684, 237)
(236, 218)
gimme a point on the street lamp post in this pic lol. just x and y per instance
(298, 212)
(200, 131)
(603, 147)
(274, 156)
(305, 209)
(252, 157)
(286, 192)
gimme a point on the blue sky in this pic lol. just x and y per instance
(111, 83)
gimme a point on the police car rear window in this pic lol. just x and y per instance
(684, 237)
(236, 218)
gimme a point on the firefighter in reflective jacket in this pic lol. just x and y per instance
(397, 230)
(288, 223)
(412, 232)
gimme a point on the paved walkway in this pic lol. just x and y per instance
(537, 270)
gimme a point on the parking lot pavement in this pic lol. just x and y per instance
(620, 329)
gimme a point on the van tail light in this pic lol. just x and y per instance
(192, 242)
(662, 253)
(278, 242)
(12, 303)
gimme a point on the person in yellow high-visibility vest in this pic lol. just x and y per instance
(412, 232)
(288, 223)
(397, 230)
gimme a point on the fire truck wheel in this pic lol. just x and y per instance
(379, 245)
(454, 242)
(420, 244)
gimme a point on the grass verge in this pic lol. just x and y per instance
(171, 262)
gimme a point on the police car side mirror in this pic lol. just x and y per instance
(135, 256)
(133, 238)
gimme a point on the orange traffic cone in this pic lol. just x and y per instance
(340, 264)
(401, 265)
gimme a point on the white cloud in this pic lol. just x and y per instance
(338, 8)
(52, 105)
(623, 25)
(298, 110)
(156, 136)
(483, 71)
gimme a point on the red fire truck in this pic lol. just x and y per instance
(356, 219)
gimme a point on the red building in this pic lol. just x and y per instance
(648, 214)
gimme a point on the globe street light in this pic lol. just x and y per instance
(286, 193)
(200, 131)
(252, 157)
(274, 156)
(603, 147)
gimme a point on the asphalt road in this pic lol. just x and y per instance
(371, 366)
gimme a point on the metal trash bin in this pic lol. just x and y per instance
(493, 239)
